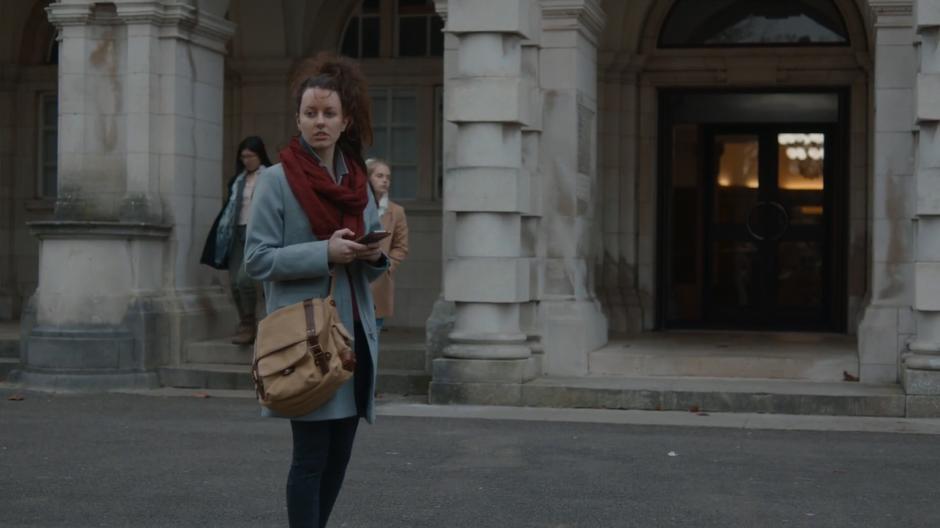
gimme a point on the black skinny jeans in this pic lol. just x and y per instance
(321, 452)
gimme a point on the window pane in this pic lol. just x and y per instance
(410, 7)
(350, 46)
(50, 111)
(370, 6)
(50, 181)
(437, 36)
(750, 22)
(370, 37)
(404, 145)
(413, 36)
(404, 109)
(404, 182)
(379, 148)
(379, 107)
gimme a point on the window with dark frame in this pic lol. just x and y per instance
(419, 31)
(363, 32)
(730, 23)
(48, 146)
(395, 133)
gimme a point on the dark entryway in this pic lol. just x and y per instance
(752, 211)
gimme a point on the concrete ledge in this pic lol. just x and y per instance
(236, 377)
(402, 382)
(84, 381)
(479, 393)
(923, 406)
(681, 394)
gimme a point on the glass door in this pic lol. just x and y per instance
(766, 219)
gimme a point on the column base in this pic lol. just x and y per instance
(879, 343)
(154, 333)
(920, 377)
(571, 329)
(481, 381)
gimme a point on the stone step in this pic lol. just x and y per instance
(206, 376)
(393, 355)
(235, 377)
(9, 339)
(404, 382)
(809, 357)
(683, 394)
(8, 364)
(218, 351)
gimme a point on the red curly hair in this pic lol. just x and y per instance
(343, 76)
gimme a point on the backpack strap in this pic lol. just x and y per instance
(320, 358)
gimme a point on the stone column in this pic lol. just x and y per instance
(921, 367)
(571, 318)
(140, 129)
(7, 215)
(486, 190)
(888, 319)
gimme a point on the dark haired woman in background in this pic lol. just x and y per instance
(225, 245)
(307, 213)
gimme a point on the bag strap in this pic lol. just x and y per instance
(320, 358)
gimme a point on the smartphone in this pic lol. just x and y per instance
(372, 237)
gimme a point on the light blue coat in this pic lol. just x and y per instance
(282, 251)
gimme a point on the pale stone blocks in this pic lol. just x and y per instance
(487, 280)
(895, 66)
(489, 55)
(928, 97)
(488, 235)
(928, 13)
(928, 191)
(491, 16)
(492, 189)
(896, 110)
(892, 240)
(490, 99)
(894, 154)
(927, 293)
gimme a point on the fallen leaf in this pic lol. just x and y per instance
(200, 395)
(16, 397)
(848, 377)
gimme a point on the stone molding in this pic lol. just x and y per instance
(892, 13)
(46, 229)
(585, 16)
(176, 20)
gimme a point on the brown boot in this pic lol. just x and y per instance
(245, 335)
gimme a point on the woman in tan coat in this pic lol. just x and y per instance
(396, 246)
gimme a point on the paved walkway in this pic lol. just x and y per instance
(155, 461)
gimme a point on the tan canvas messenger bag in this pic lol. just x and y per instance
(303, 354)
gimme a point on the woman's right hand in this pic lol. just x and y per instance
(342, 250)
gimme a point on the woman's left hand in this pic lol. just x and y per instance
(372, 253)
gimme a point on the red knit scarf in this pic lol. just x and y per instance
(330, 206)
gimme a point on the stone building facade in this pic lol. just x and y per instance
(576, 172)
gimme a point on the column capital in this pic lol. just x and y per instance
(927, 14)
(61, 15)
(584, 16)
(892, 13)
(441, 7)
(492, 16)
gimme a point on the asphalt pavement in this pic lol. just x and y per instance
(121, 460)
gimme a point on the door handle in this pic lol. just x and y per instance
(776, 206)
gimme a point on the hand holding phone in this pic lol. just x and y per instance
(372, 238)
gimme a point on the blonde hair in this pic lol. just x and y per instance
(372, 163)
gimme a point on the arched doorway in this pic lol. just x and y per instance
(747, 128)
